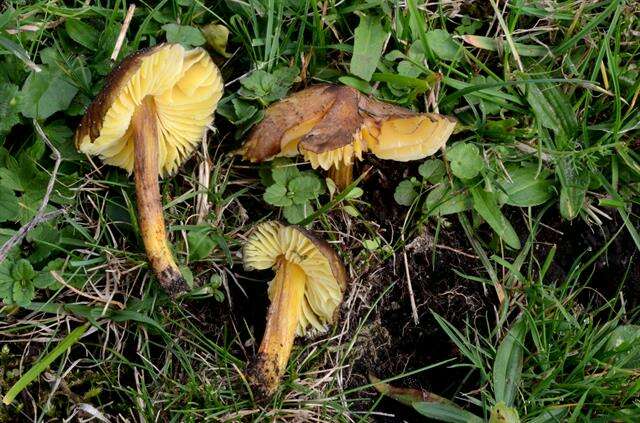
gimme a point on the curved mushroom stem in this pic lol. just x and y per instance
(150, 217)
(282, 320)
(342, 175)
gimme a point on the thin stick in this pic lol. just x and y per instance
(40, 216)
(414, 308)
(123, 31)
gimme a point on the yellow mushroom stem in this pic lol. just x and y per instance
(342, 175)
(150, 217)
(287, 295)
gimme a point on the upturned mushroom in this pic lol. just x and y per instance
(305, 294)
(148, 119)
(333, 126)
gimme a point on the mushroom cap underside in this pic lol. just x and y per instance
(271, 242)
(335, 125)
(185, 86)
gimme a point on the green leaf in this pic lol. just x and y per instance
(45, 93)
(296, 213)
(553, 110)
(465, 160)
(305, 187)
(623, 343)
(507, 367)
(200, 244)
(496, 44)
(405, 193)
(444, 200)
(44, 278)
(368, 43)
(9, 179)
(432, 170)
(9, 113)
(82, 33)
(443, 45)
(276, 195)
(284, 171)
(42, 364)
(188, 36)
(266, 87)
(22, 270)
(526, 188)
(487, 207)
(573, 188)
(23, 292)
(9, 206)
(500, 413)
(6, 281)
(445, 412)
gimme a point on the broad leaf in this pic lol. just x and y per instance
(276, 195)
(507, 367)
(9, 206)
(45, 93)
(486, 205)
(305, 187)
(405, 193)
(188, 36)
(525, 188)
(368, 42)
(466, 161)
(443, 45)
(82, 33)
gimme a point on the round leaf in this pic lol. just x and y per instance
(465, 160)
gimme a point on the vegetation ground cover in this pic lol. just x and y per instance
(501, 274)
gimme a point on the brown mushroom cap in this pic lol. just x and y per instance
(334, 125)
(185, 86)
(326, 277)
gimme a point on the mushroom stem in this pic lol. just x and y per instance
(282, 320)
(342, 175)
(150, 217)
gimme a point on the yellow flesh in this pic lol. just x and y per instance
(273, 242)
(185, 87)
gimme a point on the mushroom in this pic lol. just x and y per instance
(333, 126)
(305, 294)
(148, 119)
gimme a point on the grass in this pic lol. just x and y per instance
(542, 242)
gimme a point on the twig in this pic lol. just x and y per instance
(40, 216)
(414, 308)
(123, 31)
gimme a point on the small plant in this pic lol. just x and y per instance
(291, 189)
(477, 186)
(260, 87)
(19, 280)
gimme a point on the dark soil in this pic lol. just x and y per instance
(391, 343)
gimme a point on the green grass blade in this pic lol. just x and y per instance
(42, 365)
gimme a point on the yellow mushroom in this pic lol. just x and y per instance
(148, 119)
(305, 294)
(333, 126)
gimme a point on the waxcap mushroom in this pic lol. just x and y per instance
(150, 116)
(185, 86)
(305, 293)
(333, 126)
